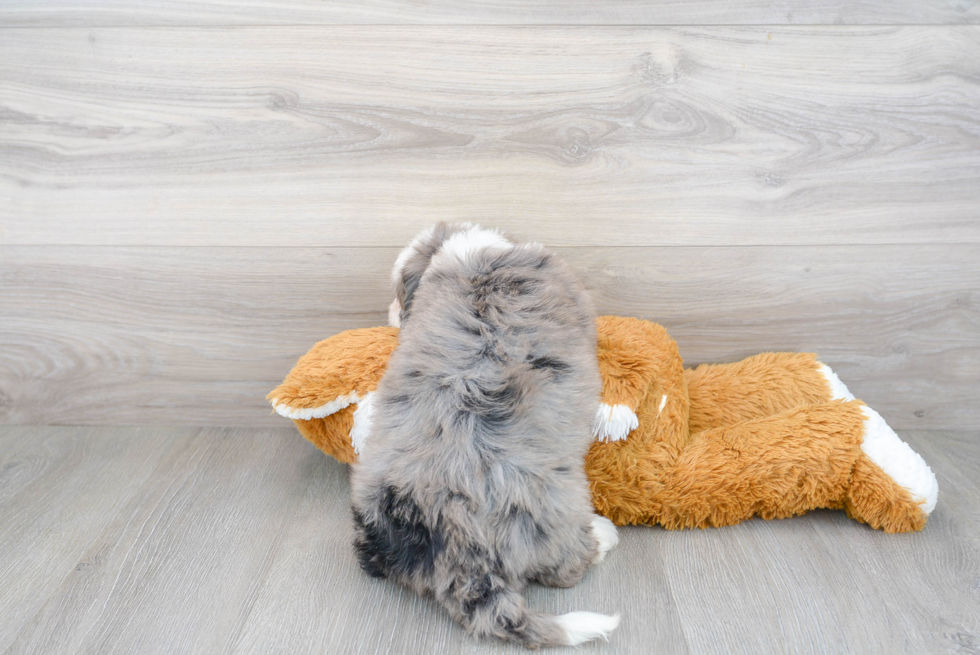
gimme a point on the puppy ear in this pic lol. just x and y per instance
(414, 259)
(395, 314)
(408, 282)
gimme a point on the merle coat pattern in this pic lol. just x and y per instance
(471, 482)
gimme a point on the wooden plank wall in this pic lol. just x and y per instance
(60, 13)
(193, 194)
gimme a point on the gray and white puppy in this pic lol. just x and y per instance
(471, 479)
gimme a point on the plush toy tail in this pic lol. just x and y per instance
(489, 608)
(892, 488)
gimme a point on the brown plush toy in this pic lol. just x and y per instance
(774, 435)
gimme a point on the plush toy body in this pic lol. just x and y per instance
(774, 435)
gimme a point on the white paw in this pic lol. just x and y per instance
(897, 459)
(606, 534)
(581, 627)
(614, 422)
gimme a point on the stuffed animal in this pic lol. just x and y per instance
(774, 435)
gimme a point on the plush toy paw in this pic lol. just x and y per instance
(614, 422)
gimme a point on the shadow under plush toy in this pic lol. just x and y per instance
(774, 435)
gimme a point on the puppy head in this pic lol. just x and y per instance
(450, 241)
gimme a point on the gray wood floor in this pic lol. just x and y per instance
(207, 540)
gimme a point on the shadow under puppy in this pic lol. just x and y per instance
(471, 481)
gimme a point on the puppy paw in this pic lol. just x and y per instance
(606, 534)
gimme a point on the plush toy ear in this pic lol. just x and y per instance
(337, 372)
(632, 354)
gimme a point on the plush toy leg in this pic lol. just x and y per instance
(762, 385)
(801, 459)
(774, 467)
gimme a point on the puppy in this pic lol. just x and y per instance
(471, 480)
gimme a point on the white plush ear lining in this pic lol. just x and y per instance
(362, 415)
(305, 414)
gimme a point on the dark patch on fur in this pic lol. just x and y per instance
(479, 595)
(365, 555)
(521, 286)
(517, 628)
(494, 406)
(401, 542)
(553, 364)
(561, 469)
(506, 396)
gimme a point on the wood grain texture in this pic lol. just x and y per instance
(238, 541)
(58, 489)
(507, 12)
(50, 13)
(200, 335)
(360, 136)
(177, 568)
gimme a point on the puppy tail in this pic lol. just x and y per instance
(491, 609)
(580, 627)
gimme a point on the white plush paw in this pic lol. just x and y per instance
(897, 459)
(614, 422)
(606, 534)
(581, 627)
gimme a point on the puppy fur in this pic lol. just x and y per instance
(471, 482)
